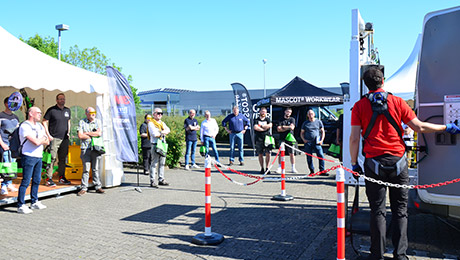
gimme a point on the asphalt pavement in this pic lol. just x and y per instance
(161, 223)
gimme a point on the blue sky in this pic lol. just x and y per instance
(207, 45)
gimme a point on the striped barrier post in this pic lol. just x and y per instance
(283, 196)
(208, 237)
(340, 179)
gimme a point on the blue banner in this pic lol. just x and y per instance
(123, 116)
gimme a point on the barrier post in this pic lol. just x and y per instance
(207, 238)
(283, 196)
(340, 179)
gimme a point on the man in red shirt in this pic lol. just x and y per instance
(384, 150)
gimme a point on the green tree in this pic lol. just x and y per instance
(46, 45)
(94, 60)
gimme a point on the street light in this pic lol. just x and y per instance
(265, 62)
(60, 27)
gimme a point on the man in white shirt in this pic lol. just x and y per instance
(157, 130)
(209, 131)
(32, 136)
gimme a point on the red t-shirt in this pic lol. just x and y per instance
(383, 138)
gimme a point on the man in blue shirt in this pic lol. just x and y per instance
(236, 124)
(191, 126)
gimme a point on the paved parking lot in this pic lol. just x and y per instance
(160, 223)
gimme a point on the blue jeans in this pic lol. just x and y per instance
(7, 158)
(31, 168)
(239, 140)
(212, 141)
(191, 147)
(314, 148)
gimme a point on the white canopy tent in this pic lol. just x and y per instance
(402, 82)
(42, 76)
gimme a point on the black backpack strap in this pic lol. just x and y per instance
(393, 122)
(370, 125)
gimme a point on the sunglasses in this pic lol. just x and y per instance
(92, 113)
(159, 113)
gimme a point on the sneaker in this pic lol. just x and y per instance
(12, 188)
(163, 183)
(4, 190)
(262, 171)
(231, 163)
(187, 167)
(24, 209)
(100, 190)
(153, 185)
(81, 192)
(195, 166)
(146, 173)
(324, 174)
(37, 205)
(268, 172)
(294, 170)
(241, 163)
(279, 170)
(50, 183)
(63, 180)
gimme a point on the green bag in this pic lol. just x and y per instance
(334, 150)
(269, 141)
(290, 138)
(203, 151)
(46, 157)
(8, 170)
(97, 145)
(162, 148)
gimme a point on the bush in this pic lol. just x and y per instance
(176, 139)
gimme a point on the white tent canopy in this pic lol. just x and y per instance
(22, 66)
(402, 82)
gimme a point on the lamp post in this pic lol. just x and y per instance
(60, 27)
(265, 62)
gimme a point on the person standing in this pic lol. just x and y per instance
(8, 123)
(285, 127)
(237, 126)
(190, 126)
(145, 144)
(157, 130)
(312, 134)
(208, 133)
(262, 126)
(57, 127)
(33, 136)
(89, 128)
(384, 151)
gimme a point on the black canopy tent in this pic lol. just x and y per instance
(298, 92)
(301, 95)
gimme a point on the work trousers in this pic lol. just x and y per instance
(90, 160)
(376, 195)
(59, 150)
(146, 158)
(159, 162)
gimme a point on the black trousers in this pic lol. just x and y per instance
(146, 159)
(376, 195)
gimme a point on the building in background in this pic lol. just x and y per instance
(180, 101)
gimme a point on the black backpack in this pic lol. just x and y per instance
(15, 143)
